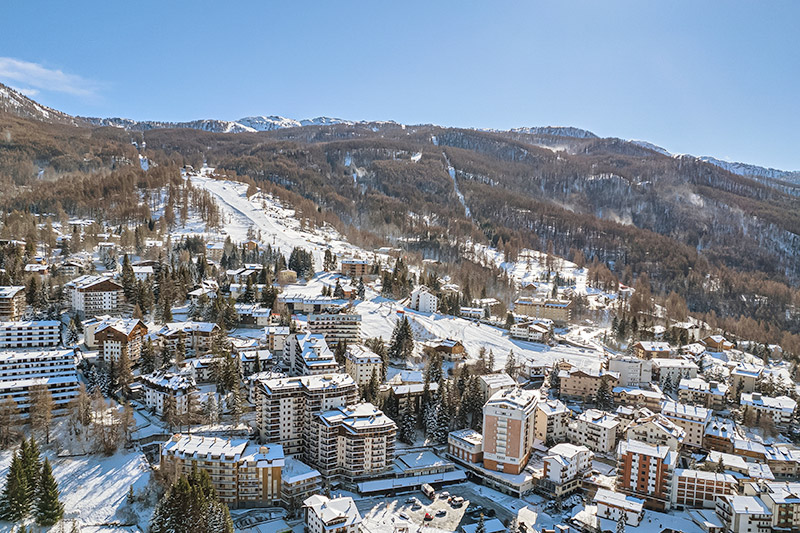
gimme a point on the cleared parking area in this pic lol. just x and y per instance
(410, 509)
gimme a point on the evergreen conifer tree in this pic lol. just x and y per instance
(49, 508)
(15, 502)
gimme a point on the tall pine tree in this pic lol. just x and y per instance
(15, 500)
(49, 509)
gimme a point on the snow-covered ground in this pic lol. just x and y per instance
(93, 487)
(277, 223)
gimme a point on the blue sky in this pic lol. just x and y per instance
(707, 78)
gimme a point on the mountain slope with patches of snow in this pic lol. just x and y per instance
(744, 169)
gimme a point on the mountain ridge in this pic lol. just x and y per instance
(15, 102)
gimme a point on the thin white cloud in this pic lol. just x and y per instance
(39, 78)
(27, 91)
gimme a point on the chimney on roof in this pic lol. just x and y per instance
(177, 436)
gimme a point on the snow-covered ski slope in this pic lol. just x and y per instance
(277, 223)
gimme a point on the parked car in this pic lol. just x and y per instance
(428, 517)
(441, 512)
(404, 516)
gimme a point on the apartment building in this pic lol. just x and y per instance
(196, 336)
(692, 418)
(564, 466)
(782, 498)
(744, 514)
(673, 371)
(613, 505)
(781, 409)
(508, 419)
(351, 443)
(22, 371)
(491, 384)
(354, 268)
(699, 489)
(243, 474)
(121, 335)
(579, 384)
(305, 305)
(275, 337)
(307, 354)
(744, 377)
(697, 391)
(652, 350)
(551, 421)
(530, 330)
(633, 371)
(649, 398)
(30, 334)
(326, 515)
(164, 386)
(285, 406)
(336, 328)
(656, 430)
(94, 295)
(594, 429)
(559, 311)
(466, 445)
(720, 435)
(646, 472)
(716, 343)
(423, 300)
(12, 302)
(362, 363)
(298, 482)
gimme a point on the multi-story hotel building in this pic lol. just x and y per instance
(692, 418)
(22, 371)
(243, 474)
(124, 334)
(285, 406)
(308, 354)
(362, 363)
(12, 302)
(508, 430)
(336, 328)
(94, 295)
(351, 443)
(30, 334)
(646, 472)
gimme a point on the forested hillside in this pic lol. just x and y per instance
(724, 242)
